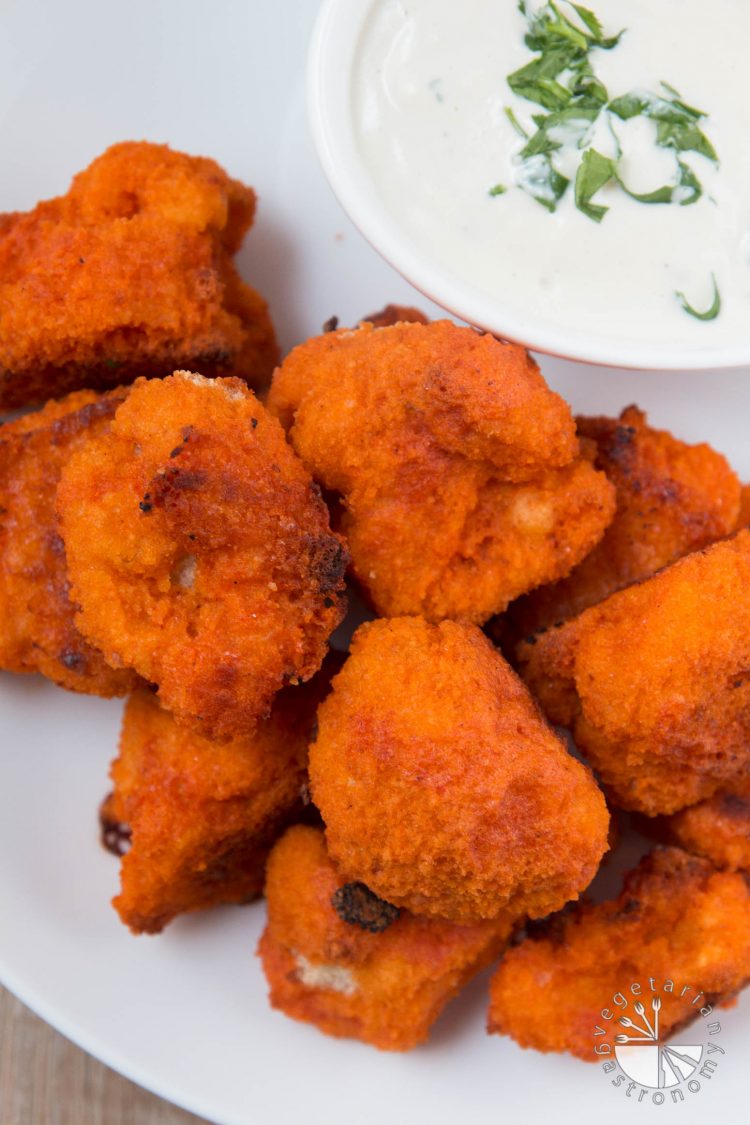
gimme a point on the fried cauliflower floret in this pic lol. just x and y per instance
(717, 828)
(441, 786)
(37, 619)
(672, 498)
(677, 919)
(653, 681)
(130, 274)
(460, 472)
(338, 957)
(199, 551)
(201, 816)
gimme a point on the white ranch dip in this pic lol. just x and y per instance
(430, 97)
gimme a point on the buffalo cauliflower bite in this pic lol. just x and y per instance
(672, 498)
(37, 618)
(460, 472)
(677, 920)
(351, 964)
(199, 551)
(653, 681)
(195, 819)
(717, 828)
(130, 274)
(441, 786)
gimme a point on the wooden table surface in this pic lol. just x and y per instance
(45, 1080)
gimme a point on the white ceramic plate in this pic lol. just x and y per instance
(185, 1013)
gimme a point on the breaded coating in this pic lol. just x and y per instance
(130, 274)
(677, 919)
(672, 498)
(654, 681)
(717, 828)
(441, 786)
(460, 472)
(385, 986)
(199, 551)
(201, 816)
(37, 619)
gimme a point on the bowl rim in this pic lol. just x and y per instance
(329, 72)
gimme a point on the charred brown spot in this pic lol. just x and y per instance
(357, 905)
(734, 805)
(186, 432)
(213, 357)
(328, 562)
(82, 419)
(115, 836)
(331, 324)
(55, 543)
(173, 482)
(73, 660)
(396, 314)
(553, 928)
(186, 480)
(617, 446)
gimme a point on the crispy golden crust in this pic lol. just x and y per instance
(130, 274)
(459, 468)
(441, 786)
(200, 551)
(654, 682)
(677, 919)
(203, 815)
(37, 619)
(386, 988)
(718, 828)
(672, 498)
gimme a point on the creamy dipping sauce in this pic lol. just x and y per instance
(430, 103)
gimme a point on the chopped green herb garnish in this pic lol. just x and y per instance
(684, 137)
(676, 122)
(593, 23)
(537, 80)
(543, 182)
(594, 173)
(689, 188)
(710, 313)
(561, 81)
(572, 100)
(515, 122)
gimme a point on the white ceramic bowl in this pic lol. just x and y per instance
(330, 67)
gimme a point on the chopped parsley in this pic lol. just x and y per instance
(562, 82)
(711, 312)
(571, 102)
